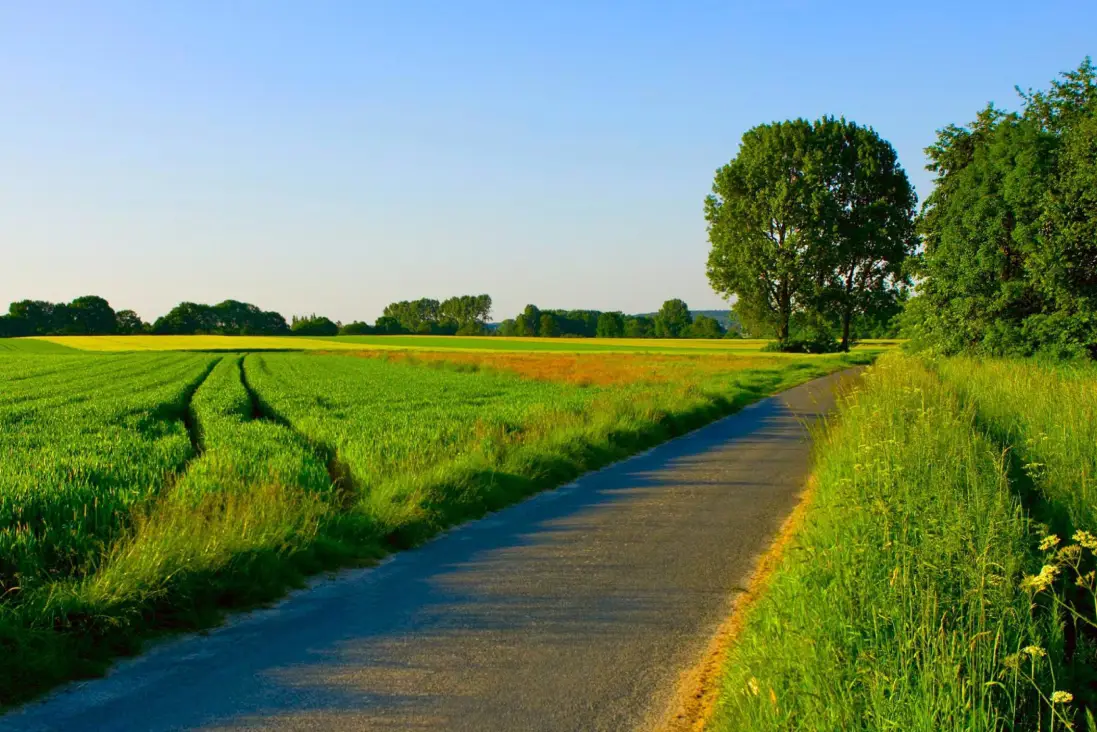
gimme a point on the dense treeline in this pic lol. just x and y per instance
(462, 315)
(230, 317)
(1010, 230)
(88, 315)
(673, 320)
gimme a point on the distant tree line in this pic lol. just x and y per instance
(461, 315)
(230, 317)
(92, 315)
(88, 315)
(673, 320)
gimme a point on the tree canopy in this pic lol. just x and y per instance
(464, 314)
(1010, 230)
(811, 220)
(673, 320)
(313, 325)
(88, 315)
(230, 317)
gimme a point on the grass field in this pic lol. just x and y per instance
(432, 343)
(143, 492)
(32, 345)
(924, 590)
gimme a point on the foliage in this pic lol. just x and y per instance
(313, 325)
(610, 325)
(673, 319)
(357, 328)
(868, 214)
(230, 317)
(88, 315)
(187, 318)
(1010, 261)
(548, 328)
(388, 325)
(466, 315)
(528, 322)
(705, 327)
(812, 219)
(640, 326)
(814, 342)
(129, 323)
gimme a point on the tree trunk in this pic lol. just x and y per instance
(847, 316)
(784, 311)
(847, 307)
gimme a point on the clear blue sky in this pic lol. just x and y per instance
(333, 156)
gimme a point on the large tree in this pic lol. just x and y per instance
(466, 314)
(865, 213)
(130, 323)
(91, 315)
(813, 220)
(187, 318)
(528, 322)
(759, 220)
(673, 320)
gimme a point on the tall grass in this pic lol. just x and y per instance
(900, 606)
(1046, 415)
(82, 442)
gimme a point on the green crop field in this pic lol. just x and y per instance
(150, 491)
(398, 342)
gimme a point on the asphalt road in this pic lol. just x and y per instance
(575, 610)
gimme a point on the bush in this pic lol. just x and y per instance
(824, 343)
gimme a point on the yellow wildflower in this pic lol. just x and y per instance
(1061, 697)
(1086, 539)
(1049, 542)
(1040, 582)
(1034, 651)
(1070, 553)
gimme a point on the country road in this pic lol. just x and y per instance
(577, 609)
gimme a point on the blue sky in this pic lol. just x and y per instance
(334, 156)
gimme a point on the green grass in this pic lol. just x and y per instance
(32, 345)
(1045, 415)
(168, 510)
(900, 605)
(84, 440)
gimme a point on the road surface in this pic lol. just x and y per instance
(577, 609)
